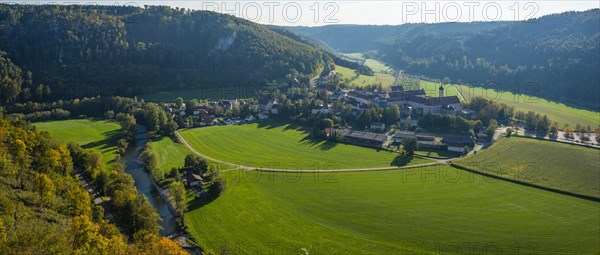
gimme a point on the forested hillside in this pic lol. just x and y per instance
(559, 54)
(76, 51)
(45, 210)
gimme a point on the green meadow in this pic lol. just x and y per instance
(432, 210)
(557, 112)
(169, 153)
(90, 134)
(363, 80)
(376, 65)
(555, 165)
(273, 144)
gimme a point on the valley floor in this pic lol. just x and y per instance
(436, 209)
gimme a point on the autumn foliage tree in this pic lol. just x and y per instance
(45, 210)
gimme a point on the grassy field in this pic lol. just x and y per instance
(376, 65)
(557, 112)
(391, 212)
(363, 80)
(276, 145)
(100, 135)
(169, 153)
(438, 154)
(556, 165)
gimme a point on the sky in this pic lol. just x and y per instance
(388, 12)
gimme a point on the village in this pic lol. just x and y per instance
(346, 107)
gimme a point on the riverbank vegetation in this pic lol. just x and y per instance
(39, 187)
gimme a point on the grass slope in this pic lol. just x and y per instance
(557, 112)
(375, 65)
(551, 164)
(100, 135)
(275, 145)
(392, 212)
(169, 153)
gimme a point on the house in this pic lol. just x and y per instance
(226, 105)
(329, 132)
(294, 82)
(396, 88)
(428, 142)
(362, 97)
(398, 96)
(263, 105)
(378, 126)
(482, 136)
(194, 179)
(405, 110)
(326, 109)
(380, 102)
(456, 147)
(422, 104)
(400, 135)
(233, 102)
(434, 105)
(262, 116)
(339, 95)
(205, 116)
(274, 108)
(250, 118)
(409, 121)
(425, 137)
(365, 138)
(315, 109)
(457, 143)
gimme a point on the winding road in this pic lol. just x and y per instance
(250, 168)
(477, 148)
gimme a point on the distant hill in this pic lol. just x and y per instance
(361, 38)
(558, 53)
(107, 50)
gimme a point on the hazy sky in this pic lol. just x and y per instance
(318, 13)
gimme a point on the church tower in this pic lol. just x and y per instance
(441, 91)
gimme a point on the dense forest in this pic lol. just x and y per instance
(75, 51)
(555, 57)
(45, 210)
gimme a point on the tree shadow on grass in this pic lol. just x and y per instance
(402, 160)
(270, 124)
(158, 138)
(199, 202)
(110, 142)
(319, 143)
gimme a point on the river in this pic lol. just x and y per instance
(143, 182)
